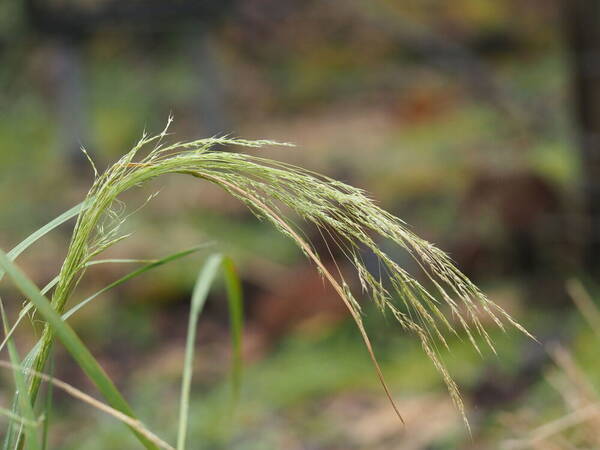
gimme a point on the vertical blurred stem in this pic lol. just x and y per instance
(582, 26)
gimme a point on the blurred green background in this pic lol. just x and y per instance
(471, 120)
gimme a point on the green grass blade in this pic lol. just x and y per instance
(120, 261)
(93, 402)
(23, 245)
(131, 275)
(24, 312)
(71, 342)
(24, 402)
(41, 232)
(9, 435)
(48, 405)
(16, 418)
(201, 288)
(155, 263)
(235, 303)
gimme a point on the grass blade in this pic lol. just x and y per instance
(71, 342)
(201, 288)
(153, 264)
(24, 312)
(32, 238)
(23, 245)
(235, 303)
(48, 406)
(131, 275)
(16, 418)
(88, 399)
(24, 402)
(82, 396)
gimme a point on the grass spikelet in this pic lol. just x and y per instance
(272, 190)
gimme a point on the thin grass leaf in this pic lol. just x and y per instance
(48, 406)
(82, 396)
(23, 399)
(133, 274)
(26, 309)
(16, 418)
(150, 265)
(235, 303)
(41, 232)
(28, 361)
(31, 239)
(201, 289)
(71, 342)
(120, 261)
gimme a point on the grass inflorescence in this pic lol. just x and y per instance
(278, 193)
